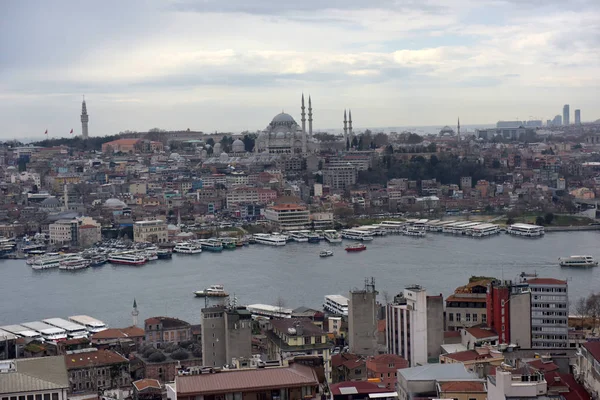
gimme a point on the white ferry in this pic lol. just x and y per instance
(49, 333)
(393, 226)
(74, 264)
(483, 230)
(74, 330)
(52, 260)
(357, 234)
(414, 231)
(298, 236)
(188, 248)
(271, 240)
(127, 258)
(464, 227)
(578, 261)
(92, 325)
(269, 311)
(439, 226)
(336, 304)
(332, 236)
(27, 333)
(527, 230)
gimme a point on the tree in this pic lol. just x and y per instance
(593, 306)
(381, 139)
(210, 141)
(248, 142)
(548, 218)
(581, 308)
(540, 220)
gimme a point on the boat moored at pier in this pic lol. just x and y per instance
(526, 230)
(271, 240)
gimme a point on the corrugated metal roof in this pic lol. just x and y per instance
(35, 374)
(244, 380)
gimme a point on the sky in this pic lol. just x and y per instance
(231, 65)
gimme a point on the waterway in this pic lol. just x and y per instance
(295, 273)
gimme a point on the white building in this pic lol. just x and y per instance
(513, 383)
(68, 231)
(288, 216)
(587, 369)
(150, 231)
(549, 313)
(242, 195)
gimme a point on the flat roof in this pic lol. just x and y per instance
(64, 324)
(86, 319)
(268, 308)
(521, 225)
(43, 327)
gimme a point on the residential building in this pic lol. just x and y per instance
(81, 231)
(518, 383)
(385, 368)
(119, 337)
(295, 382)
(154, 231)
(566, 115)
(89, 234)
(91, 370)
(226, 334)
(162, 366)
(34, 379)
(462, 390)
(162, 330)
(288, 216)
(147, 389)
(358, 390)
(498, 312)
(242, 195)
(348, 367)
(549, 313)
(138, 188)
(520, 310)
(587, 368)
(414, 326)
(321, 220)
(578, 117)
(467, 306)
(362, 320)
(466, 183)
(290, 337)
(120, 146)
(340, 177)
(422, 381)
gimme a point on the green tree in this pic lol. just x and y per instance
(540, 220)
(548, 218)
(210, 141)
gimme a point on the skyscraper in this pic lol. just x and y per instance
(84, 120)
(577, 117)
(566, 113)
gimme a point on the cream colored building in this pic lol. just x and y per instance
(138, 188)
(288, 216)
(154, 231)
(82, 231)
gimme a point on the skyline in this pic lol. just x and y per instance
(231, 67)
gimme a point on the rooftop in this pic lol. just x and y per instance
(480, 333)
(546, 281)
(543, 366)
(143, 384)
(463, 386)
(34, 374)
(308, 328)
(167, 322)
(593, 348)
(458, 297)
(359, 387)
(246, 380)
(93, 359)
(437, 372)
(467, 355)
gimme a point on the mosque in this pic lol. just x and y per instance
(284, 136)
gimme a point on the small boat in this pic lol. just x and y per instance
(325, 253)
(356, 247)
(212, 291)
(578, 261)
(164, 254)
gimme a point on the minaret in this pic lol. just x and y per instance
(310, 118)
(345, 126)
(84, 120)
(135, 313)
(304, 114)
(350, 123)
(458, 129)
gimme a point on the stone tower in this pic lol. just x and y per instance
(303, 114)
(135, 313)
(310, 117)
(345, 126)
(84, 120)
(350, 124)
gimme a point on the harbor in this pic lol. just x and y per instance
(260, 274)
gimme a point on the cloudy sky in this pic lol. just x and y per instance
(230, 65)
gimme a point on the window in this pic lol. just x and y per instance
(468, 317)
(457, 317)
(451, 317)
(21, 397)
(306, 339)
(39, 396)
(474, 317)
(357, 371)
(318, 339)
(483, 317)
(46, 396)
(30, 396)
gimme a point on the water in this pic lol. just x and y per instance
(295, 273)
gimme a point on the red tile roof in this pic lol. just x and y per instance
(143, 384)
(467, 355)
(542, 366)
(593, 348)
(93, 359)
(546, 281)
(465, 299)
(362, 387)
(558, 381)
(382, 362)
(479, 333)
(451, 334)
(348, 360)
(462, 387)
(246, 380)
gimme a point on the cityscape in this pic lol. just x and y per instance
(329, 201)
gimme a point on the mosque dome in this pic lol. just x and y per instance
(283, 118)
(280, 135)
(224, 157)
(238, 146)
(174, 156)
(50, 202)
(114, 203)
(446, 131)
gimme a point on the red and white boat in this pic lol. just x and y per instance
(127, 258)
(356, 247)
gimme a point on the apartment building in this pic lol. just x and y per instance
(549, 313)
(226, 334)
(288, 216)
(467, 306)
(340, 176)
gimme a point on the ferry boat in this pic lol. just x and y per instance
(261, 311)
(213, 245)
(413, 231)
(150, 255)
(49, 333)
(228, 243)
(164, 254)
(298, 236)
(187, 248)
(74, 331)
(92, 325)
(212, 291)
(325, 253)
(526, 230)
(74, 264)
(98, 260)
(332, 236)
(355, 234)
(483, 230)
(46, 262)
(128, 258)
(356, 247)
(271, 240)
(313, 238)
(578, 261)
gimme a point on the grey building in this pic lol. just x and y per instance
(362, 320)
(520, 310)
(577, 117)
(566, 115)
(340, 176)
(226, 334)
(549, 313)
